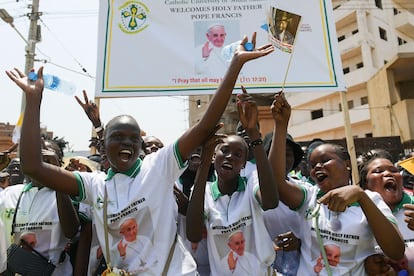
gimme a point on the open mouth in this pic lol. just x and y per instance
(227, 166)
(320, 176)
(125, 155)
(390, 186)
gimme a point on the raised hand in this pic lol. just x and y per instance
(248, 113)
(243, 55)
(231, 261)
(280, 109)
(206, 50)
(122, 249)
(30, 88)
(91, 109)
(210, 145)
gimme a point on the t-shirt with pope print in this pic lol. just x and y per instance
(145, 194)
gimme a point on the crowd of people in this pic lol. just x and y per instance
(210, 203)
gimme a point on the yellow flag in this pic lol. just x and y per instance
(17, 129)
(408, 164)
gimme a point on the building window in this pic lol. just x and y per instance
(383, 33)
(385, 61)
(360, 65)
(198, 103)
(364, 100)
(368, 135)
(315, 114)
(350, 104)
(378, 4)
(346, 70)
(340, 38)
(401, 41)
(340, 107)
(355, 31)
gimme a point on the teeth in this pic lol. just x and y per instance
(228, 166)
(320, 176)
(126, 151)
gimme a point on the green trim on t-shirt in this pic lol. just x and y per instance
(131, 172)
(178, 157)
(27, 187)
(81, 188)
(215, 191)
(406, 199)
(305, 194)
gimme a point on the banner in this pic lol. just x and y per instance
(183, 47)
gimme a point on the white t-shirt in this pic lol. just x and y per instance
(241, 211)
(134, 249)
(85, 213)
(8, 201)
(246, 264)
(282, 219)
(37, 220)
(145, 194)
(407, 234)
(200, 254)
(354, 241)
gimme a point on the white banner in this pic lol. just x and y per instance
(182, 47)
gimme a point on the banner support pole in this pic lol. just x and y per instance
(349, 138)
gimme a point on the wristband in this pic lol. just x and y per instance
(255, 143)
(99, 129)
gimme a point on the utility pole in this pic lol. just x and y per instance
(33, 38)
(30, 48)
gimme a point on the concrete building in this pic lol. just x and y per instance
(376, 44)
(6, 134)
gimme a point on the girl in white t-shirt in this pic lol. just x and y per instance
(333, 211)
(379, 174)
(231, 207)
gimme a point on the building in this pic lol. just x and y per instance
(6, 134)
(376, 44)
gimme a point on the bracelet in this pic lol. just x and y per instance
(255, 143)
(99, 129)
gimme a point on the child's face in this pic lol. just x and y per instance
(123, 143)
(328, 170)
(383, 177)
(230, 157)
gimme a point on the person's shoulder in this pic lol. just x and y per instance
(11, 193)
(14, 188)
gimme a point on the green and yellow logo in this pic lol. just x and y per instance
(133, 15)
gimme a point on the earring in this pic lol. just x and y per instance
(348, 168)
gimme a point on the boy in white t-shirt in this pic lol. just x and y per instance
(142, 189)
